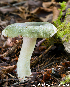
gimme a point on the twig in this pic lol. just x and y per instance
(8, 69)
(40, 42)
(9, 51)
(18, 83)
(37, 59)
(28, 81)
(49, 65)
(11, 75)
(46, 62)
(9, 79)
(49, 60)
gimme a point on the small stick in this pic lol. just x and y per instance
(43, 64)
(11, 75)
(40, 42)
(37, 59)
(10, 51)
(48, 65)
(8, 69)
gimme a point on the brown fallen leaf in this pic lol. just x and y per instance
(22, 12)
(3, 23)
(33, 4)
(5, 10)
(47, 74)
(63, 75)
(66, 64)
(40, 9)
(55, 13)
(48, 4)
(47, 18)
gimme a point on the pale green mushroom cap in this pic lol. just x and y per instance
(30, 29)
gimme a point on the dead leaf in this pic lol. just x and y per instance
(55, 13)
(33, 4)
(47, 18)
(40, 9)
(48, 4)
(47, 74)
(66, 64)
(5, 10)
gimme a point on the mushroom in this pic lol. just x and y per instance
(30, 31)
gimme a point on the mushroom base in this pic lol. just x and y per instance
(23, 64)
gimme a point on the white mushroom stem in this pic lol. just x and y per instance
(23, 64)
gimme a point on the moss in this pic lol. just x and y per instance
(64, 29)
(66, 80)
(68, 11)
(58, 21)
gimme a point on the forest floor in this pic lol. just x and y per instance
(50, 63)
